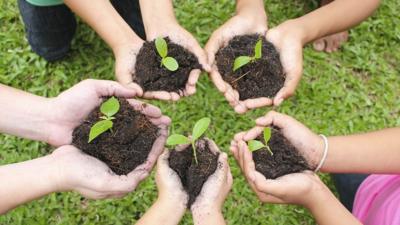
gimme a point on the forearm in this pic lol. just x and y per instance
(334, 17)
(23, 114)
(155, 13)
(163, 212)
(327, 210)
(208, 216)
(105, 20)
(374, 152)
(26, 181)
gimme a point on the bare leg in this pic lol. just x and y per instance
(330, 43)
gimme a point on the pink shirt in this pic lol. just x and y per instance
(377, 200)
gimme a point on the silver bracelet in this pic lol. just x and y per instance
(321, 163)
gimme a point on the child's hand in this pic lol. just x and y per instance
(215, 190)
(298, 188)
(309, 144)
(90, 177)
(287, 39)
(170, 189)
(240, 24)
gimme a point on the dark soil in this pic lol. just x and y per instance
(126, 146)
(286, 158)
(193, 175)
(262, 78)
(152, 76)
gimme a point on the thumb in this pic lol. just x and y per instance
(128, 183)
(110, 88)
(213, 45)
(163, 164)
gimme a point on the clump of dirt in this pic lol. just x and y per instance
(151, 75)
(124, 147)
(286, 158)
(193, 175)
(261, 78)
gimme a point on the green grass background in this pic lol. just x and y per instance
(356, 89)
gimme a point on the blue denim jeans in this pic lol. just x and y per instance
(50, 29)
(347, 186)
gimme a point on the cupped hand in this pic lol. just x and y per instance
(77, 171)
(287, 39)
(170, 189)
(297, 188)
(179, 35)
(217, 186)
(240, 24)
(72, 106)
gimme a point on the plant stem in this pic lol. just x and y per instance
(194, 153)
(240, 77)
(269, 149)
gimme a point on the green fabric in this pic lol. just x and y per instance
(45, 2)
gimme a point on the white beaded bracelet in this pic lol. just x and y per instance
(321, 163)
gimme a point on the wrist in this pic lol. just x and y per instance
(204, 215)
(126, 44)
(290, 29)
(319, 195)
(173, 207)
(51, 174)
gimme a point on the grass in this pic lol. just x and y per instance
(354, 90)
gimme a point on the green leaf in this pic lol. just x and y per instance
(177, 139)
(267, 134)
(200, 127)
(110, 107)
(241, 61)
(170, 63)
(99, 128)
(258, 49)
(255, 145)
(161, 46)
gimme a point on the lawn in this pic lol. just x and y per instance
(354, 90)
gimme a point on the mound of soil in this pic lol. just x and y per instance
(193, 175)
(261, 78)
(152, 76)
(286, 158)
(124, 147)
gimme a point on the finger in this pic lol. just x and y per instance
(161, 95)
(329, 45)
(216, 78)
(181, 147)
(276, 119)
(213, 147)
(222, 168)
(126, 80)
(191, 84)
(145, 108)
(109, 88)
(235, 150)
(319, 45)
(162, 162)
(213, 45)
(156, 150)
(161, 122)
(271, 187)
(242, 149)
(292, 80)
(240, 108)
(239, 136)
(200, 53)
(125, 184)
(253, 133)
(257, 102)
(249, 166)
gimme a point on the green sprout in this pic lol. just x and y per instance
(162, 48)
(255, 145)
(109, 108)
(198, 130)
(244, 60)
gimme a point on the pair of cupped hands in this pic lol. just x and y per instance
(284, 38)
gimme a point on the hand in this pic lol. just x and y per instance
(125, 61)
(298, 188)
(215, 189)
(240, 24)
(180, 36)
(287, 38)
(170, 189)
(91, 177)
(72, 106)
(309, 145)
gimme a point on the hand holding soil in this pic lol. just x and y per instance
(157, 81)
(72, 106)
(135, 140)
(77, 171)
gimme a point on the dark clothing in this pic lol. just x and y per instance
(50, 29)
(347, 185)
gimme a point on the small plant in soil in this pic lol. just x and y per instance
(286, 158)
(124, 142)
(255, 145)
(162, 48)
(199, 128)
(109, 108)
(244, 60)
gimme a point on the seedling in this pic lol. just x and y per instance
(198, 130)
(244, 60)
(255, 145)
(109, 108)
(162, 48)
